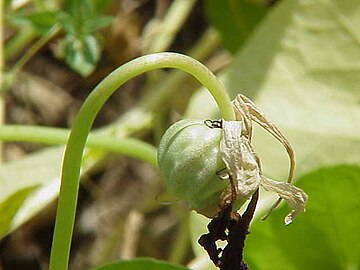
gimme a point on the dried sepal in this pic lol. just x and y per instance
(294, 196)
(240, 159)
(241, 102)
(243, 165)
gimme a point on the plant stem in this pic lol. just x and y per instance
(74, 149)
(169, 26)
(206, 44)
(2, 64)
(182, 240)
(35, 48)
(53, 136)
(17, 43)
(158, 95)
(27, 56)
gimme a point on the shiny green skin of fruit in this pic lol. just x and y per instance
(189, 159)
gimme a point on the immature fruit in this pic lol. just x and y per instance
(189, 159)
(191, 155)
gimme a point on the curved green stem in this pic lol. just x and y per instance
(74, 149)
(53, 136)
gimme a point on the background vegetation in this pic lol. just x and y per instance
(298, 60)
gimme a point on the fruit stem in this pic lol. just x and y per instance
(71, 165)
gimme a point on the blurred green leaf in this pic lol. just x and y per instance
(40, 21)
(234, 19)
(326, 236)
(301, 67)
(67, 22)
(82, 54)
(34, 178)
(84, 26)
(83, 8)
(141, 264)
(79, 8)
(85, 16)
(10, 207)
(80, 21)
(98, 23)
(100, 5)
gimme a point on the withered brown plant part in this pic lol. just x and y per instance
(231, 227)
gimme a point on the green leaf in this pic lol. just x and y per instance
(83, 26)
(41, 21)
(81, 20)
(68, 24)
(326, 236)
(140, 264)
(34, 178)
(301, 68)
(81, 54)
(235, 20)
(85, 8)
(10, 206)
(97, 23)
(79, 8)
(85, 16)
(100, 5)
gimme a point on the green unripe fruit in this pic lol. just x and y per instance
(189, 159)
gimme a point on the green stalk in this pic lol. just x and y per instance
(182, 239)
(28, 55)
(74, 149)
(17, 43)
(170, 25)
(35, 48)
(164, 90)
(2, 64)
(53, 136)
(159, 94)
